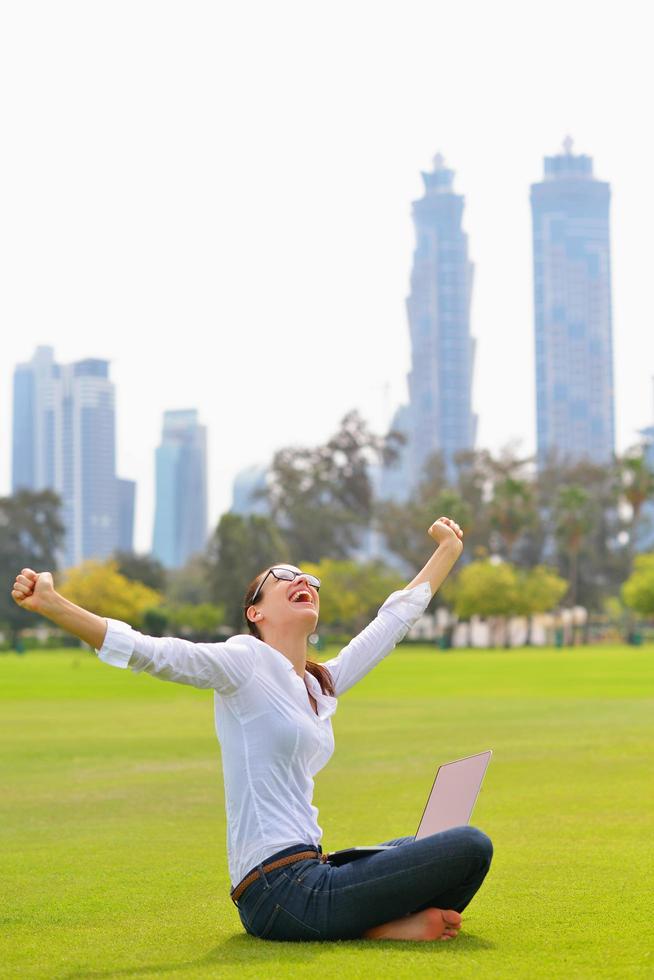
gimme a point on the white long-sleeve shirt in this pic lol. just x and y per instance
(273, 742)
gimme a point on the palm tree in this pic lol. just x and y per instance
(637, 481)
(512, 510)
(573, 520)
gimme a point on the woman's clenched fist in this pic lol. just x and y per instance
(32, 590)
(444, 530)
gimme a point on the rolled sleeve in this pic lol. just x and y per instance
(408, 605)
(397, 615)
(118, 645)
(226, 667)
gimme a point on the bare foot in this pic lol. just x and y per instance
(426, 925)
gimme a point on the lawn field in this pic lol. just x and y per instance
(112, 831)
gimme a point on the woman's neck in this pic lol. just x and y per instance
(294, 648)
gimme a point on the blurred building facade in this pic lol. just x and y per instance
(247, 484)
(126, 506)
(572, 310)
(439, 415)
(64, 439)
(180, 523)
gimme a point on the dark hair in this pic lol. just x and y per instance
(320, 672)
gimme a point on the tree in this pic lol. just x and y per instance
(540, 589)
(493, 589)
(489, 493)
(512, 510)
(321, 498)
(198, 622)
(602, 562)
(637, 482)
(473, 482)
(638, 590)
(484, 588)
(191, 583)
(141, 568)
(100, 588)
(31, 535)
(240, 548)
(573, 520)
(404, 525)
(351, 593)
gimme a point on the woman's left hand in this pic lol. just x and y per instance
(444, 530)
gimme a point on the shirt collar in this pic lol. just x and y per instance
(325, 702)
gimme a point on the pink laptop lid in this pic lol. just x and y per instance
(453, 794)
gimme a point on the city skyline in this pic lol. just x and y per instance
(224, 235)
(564, 169)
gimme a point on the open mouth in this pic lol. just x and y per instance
(302, 596)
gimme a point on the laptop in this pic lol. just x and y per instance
(450, 804)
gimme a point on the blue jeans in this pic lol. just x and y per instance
(313, 900)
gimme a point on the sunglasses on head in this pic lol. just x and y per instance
(285, 575)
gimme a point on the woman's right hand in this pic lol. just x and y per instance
(33, 590)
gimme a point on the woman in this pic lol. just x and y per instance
(273, 713)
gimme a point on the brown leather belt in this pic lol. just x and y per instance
(238, 890)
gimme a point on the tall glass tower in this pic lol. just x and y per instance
(572, 310)
(180, 523)
(64, 439)
(439, 416)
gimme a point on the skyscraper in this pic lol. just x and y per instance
(439, 416)
(126, 500)
(180, 524)
(33, 443)
(572, 310)
(247, 483)
(64, 439)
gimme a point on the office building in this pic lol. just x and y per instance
(439, 415)
(180, 525)
(572, 309)
(64, 439)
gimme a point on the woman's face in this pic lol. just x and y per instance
(283, 604)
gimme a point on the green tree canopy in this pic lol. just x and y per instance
(199, 621)
(638, 590)
(141, 568)
(405, 525)
(512, 510)
(191, 583)
(637, 487)
(350, 592)
(321, 498)
(31, 535)
(540, 590)
(487, 588)
(573, 520)
(484, 588)
(100, 588)
(586, 527)
(240, 548)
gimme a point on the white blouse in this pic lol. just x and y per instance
(272, 741)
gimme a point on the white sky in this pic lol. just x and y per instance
(216, 197)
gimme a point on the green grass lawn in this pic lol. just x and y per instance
(112, 832)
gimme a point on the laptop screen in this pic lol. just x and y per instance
(453, 794)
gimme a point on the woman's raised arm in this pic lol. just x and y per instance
(400, 612)
(225, 667)
(35, 592)
(449, 537)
